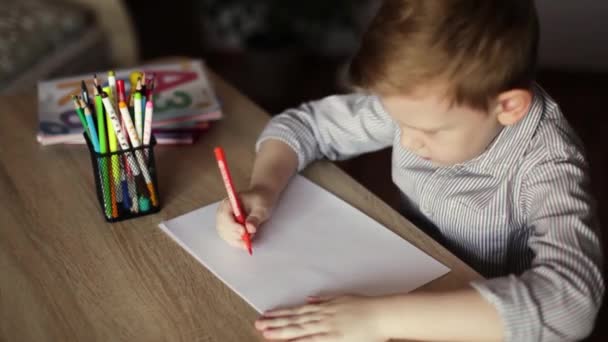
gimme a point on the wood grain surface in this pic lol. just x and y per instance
(67, 275)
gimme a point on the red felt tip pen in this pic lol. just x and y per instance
(120, 88)
(235, 203)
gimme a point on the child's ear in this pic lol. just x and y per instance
(512, 106)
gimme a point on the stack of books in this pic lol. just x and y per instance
(185, 103)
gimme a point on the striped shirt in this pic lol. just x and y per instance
(520, 213)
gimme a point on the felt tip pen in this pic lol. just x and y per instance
(106, 174)
(120, 89)
(148, 122)
(113, 147)
(139, 120)
(131, 164)
(101, 118)
(135, 142)
(112, 86)
(235, 203)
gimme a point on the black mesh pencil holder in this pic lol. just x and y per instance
(125, 182)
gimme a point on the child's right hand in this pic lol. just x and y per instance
(257, 205)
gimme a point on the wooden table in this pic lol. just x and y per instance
(67, 275)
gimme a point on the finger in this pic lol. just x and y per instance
(293, 311)
(296, 331)
(229, 228)
(229, 225)
(232, 237)
(283, 321)
(252, 225)
(236, 237)
(227, 222)
(224, 206)
(256, 217)
(241, 233)
(226, 213)
(318, 299)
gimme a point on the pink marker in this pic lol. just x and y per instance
(148, 122)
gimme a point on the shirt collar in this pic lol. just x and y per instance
(511, 143)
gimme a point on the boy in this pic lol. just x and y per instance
(485, 161)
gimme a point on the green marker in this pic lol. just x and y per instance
(103, 162)
(138, 114)
(80, 113)
(115, 169)
(101, 124)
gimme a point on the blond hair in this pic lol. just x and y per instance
(478, 48)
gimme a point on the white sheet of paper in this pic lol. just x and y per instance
(314, 244)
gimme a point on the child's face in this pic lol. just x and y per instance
(434, 130)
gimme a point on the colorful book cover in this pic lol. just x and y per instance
(183, 95)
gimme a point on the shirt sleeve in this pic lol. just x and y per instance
(336, 127)
(558, 298)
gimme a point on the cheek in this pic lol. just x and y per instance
(413, 140)
(450, 149)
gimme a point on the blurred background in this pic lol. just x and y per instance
(281, 53)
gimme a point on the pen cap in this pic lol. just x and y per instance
(120, 89)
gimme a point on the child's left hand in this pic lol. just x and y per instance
(347, 318)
